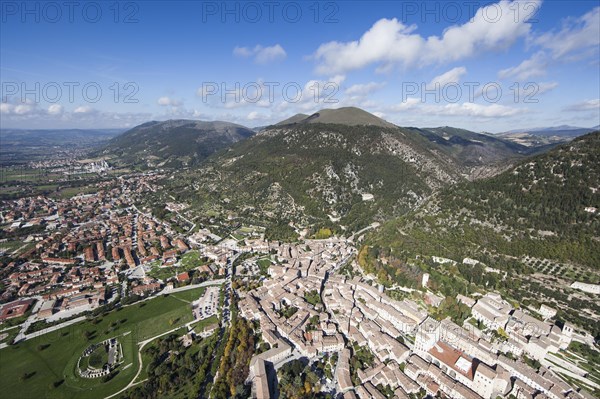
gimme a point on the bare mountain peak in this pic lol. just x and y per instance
(351, 116)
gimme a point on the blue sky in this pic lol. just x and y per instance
(485, 66)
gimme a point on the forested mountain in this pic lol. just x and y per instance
(343, 176)
(174, 143)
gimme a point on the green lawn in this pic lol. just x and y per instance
(263, 265)
(32, 368)
(190, 295)
(190, 260)
(201, 324)
(162, 273)
(11, 334)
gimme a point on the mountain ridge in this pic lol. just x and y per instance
(350, 116)
(175, 142)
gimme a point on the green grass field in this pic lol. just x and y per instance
(190, 295)
(44, 367)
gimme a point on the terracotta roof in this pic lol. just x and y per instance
(453, 358)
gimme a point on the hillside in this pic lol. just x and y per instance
(317, 173)
(481, 155)
(174, 143)
(339, 176)
(294, 119)
(538, 221)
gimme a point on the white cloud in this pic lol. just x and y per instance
(589, 105)
(532, 67)
(55, 109)
(452, 76)
(579, 37)
(543, 87)
(242, 51)
(363, 89)
(6, 108)
(262, 55)
(409, 103)
(389, 42)
(30, 115)
(280, 97)
(164, 101)
(415, 105)
(23, 109)
(84, 109)
(256, 116)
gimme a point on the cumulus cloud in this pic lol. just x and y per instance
(6, 108)
(31, 115)
(279, 96)
(26, 108)
(168, 101)
(314, 94)
(255, 116)
(22, 109)
(262, 55)
(452, 76)
(55, 109)
(579, 37)
(84, 109)
(389, 42)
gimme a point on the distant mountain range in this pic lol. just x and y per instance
(562, 130)
(536, 137)
(341, 168)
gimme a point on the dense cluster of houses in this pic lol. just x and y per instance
(412, 351)
(83, 242)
